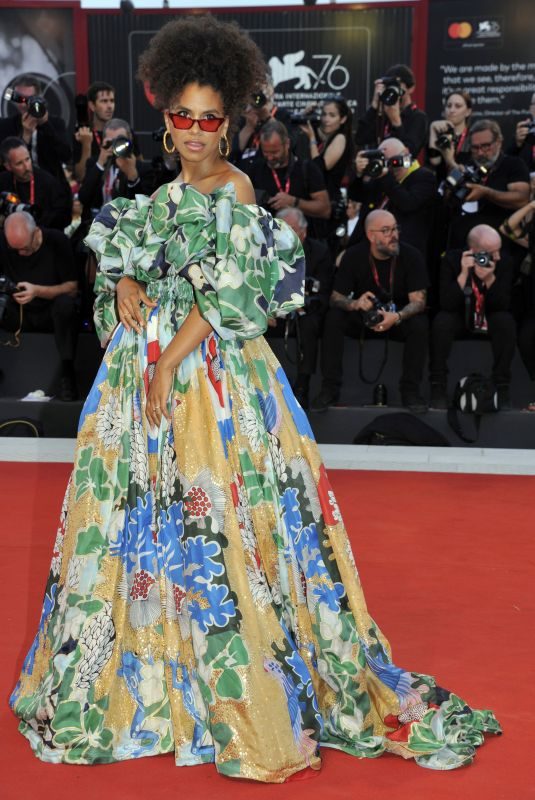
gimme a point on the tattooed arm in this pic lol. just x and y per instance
(416, 304)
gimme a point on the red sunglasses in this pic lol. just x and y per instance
(185, 123)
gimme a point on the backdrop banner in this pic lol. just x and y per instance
(484, 47)
(312, 54)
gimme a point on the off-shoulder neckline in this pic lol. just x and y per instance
(228, 186)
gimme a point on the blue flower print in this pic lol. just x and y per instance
(219, 610)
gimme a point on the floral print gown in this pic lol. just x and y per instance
(203, 599)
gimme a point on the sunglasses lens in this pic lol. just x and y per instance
(180, 122)
(210, 125)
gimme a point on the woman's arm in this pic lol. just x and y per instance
(512, 227)
(192, 332)
(334, 151)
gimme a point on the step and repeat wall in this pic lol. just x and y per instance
(311, 54)
(484, 47)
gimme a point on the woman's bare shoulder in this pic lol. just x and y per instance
(242, 184)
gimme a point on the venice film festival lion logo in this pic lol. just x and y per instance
(331, 72)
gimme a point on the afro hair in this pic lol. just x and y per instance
(200, 49)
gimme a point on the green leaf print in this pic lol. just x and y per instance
(92, 476)
(229, 685)
(89, 541)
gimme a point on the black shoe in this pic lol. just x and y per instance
(504, 398)
(323, 400)
(67, 389)
(413, 402)
(439, 396)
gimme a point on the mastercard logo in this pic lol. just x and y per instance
(460, 30)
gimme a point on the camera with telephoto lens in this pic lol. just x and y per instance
(10, 203)
(300, 118)
(121, 146)
(373, 316)
(392, 91)
(482, 258)
(444, 139)
(36, 105)
(376, 162)
(457, 180)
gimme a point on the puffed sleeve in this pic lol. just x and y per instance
(255, 271)
(117, 237)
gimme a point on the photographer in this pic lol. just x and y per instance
(44, 135)
(393, 114)
(388, 278)
(40, 263)
(245, 147)
(309, 319)
(475, 296)
(46, 195)
(88, 137)
(497, 185)
(389, 178)
(524, 142)
(281, 180)
(116, 172)
(449, 143)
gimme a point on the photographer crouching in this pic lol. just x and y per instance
(38, 289)
(385, 282)
(475, 296)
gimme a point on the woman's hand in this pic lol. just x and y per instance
(158, 396)
(130, 294)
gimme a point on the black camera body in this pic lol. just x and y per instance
(444, 140)
(81, 106)
(258, 99)
(482, 258)
(10, 203)
(392, 91)
(403, 161)
(373, 316)
(300, 118)
(457, 180)
(376, 162)
(36, 105)
(7, 286)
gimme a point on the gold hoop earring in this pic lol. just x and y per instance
(223, 152)
(168, 150)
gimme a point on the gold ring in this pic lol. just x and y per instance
(156, 408)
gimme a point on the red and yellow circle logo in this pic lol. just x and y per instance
(460, 30)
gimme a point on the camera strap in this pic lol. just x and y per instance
(382, 365)
(375, 274)
(460, 142)
(480, 322)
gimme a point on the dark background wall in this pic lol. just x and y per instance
(484, 46)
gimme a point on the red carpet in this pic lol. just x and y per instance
(447, 565)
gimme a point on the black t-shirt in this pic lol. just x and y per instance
(299, 179)
(52, 264)
(506, 170)
(406, 274)
(52, 197)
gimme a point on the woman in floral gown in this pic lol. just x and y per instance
(203, 599)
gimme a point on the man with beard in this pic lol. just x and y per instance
(88, 138)
(503, 189)
(379, 268)
(34, 186)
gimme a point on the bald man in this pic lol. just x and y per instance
(404, 188)
(475, 296)
(40, 261)
(385, 270)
